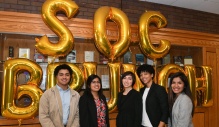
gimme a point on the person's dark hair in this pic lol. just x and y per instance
(172, 96)
(88, 83)
(146, 68)
(63, 66)
(125, 74)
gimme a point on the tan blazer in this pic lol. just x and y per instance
(50, 109)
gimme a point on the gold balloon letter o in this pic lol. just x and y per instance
(101, 40)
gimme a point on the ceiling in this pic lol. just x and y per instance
(211, 6)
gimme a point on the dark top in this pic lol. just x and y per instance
(88, 111)
(157, 104)
(129, 109)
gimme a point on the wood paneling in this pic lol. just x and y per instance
(14, 123)
(211, 60)
(199, 120)
(32, 24)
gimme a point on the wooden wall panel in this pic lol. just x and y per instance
(199, 120)
(211, 60)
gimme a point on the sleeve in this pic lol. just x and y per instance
(163, 100)
(138, 110)
(83, 112)
(118, 107)
(44, 117)
(76, 122)
(185, 111)
(169, 122)
(118, 101)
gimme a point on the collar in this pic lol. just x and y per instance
(60, 89)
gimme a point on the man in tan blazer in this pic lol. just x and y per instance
(59, 105)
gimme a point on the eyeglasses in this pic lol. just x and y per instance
(95, 82)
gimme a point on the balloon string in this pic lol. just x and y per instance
(52, 60)
(19, 121)
(110, 13)
(155, 68)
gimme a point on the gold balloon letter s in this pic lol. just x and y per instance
(65, 44)
(9, 95)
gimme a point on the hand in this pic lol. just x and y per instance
(161, 124)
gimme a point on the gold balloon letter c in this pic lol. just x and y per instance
(145, 44)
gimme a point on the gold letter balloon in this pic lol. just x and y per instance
(114, 69)
(145, 44)
(65, 44)
(101, 41)
(12, 92)
(197, 84)
(77, 76)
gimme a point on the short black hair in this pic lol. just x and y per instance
(145, 68)
(62, 66)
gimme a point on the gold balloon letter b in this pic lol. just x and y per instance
(11, 91)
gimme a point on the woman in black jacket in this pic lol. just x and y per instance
(129, 103)
(93, 108)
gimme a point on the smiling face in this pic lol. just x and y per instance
(127, 81)
(146, 78)
(177, 85)
(63, 77)
(95, 85)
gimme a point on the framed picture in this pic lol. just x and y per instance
(24, 53)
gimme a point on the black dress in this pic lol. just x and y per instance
(129, 109)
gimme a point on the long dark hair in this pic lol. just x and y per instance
(88, 83)
(172, 96)
(123, 76)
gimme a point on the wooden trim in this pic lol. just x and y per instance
(6, 122)
(32, 24)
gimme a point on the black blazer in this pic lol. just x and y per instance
(129, 109)
(157, 104)
(88, 111)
